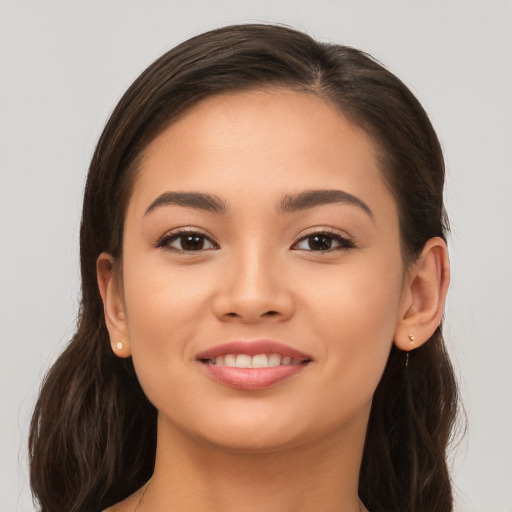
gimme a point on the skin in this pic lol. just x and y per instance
(296, 446)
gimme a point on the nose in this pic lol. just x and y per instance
(254, 288)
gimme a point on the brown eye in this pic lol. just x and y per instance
(323, 242)
(187, 241)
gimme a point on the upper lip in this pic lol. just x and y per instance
(252, 348)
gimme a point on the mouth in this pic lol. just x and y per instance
(257, 361)
(253, 365)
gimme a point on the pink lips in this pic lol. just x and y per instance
(253, 378)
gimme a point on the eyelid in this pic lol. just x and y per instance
(163, 241)
(346, 241)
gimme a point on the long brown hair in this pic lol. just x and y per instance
(93, 433)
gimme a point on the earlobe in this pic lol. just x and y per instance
(113, 306)
(424, 296)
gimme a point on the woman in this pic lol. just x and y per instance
(264, 271)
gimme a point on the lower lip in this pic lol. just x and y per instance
(253, 378)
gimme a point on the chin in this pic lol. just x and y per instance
(251, 441)
(242, 432)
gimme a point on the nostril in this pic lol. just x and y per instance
(233, 314)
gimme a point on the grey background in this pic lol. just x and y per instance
(63, 66)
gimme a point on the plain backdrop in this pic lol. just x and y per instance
(63, 66)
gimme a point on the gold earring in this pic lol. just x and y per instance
(412, 339)
(119, 345)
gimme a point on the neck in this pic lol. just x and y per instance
(193, 475)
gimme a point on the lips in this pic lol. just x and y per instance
(253, 365)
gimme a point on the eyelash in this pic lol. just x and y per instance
(345, 243)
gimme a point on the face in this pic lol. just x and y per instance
(260, 233)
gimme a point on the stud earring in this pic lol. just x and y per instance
(411, 338)
(119, 345)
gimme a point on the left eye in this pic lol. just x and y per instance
(187, 241)
(323, 242)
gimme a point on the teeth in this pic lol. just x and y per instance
(243, 361)
(257, 361)
(274, 360)
(260, 361)
(230, 360)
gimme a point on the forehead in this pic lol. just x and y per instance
(256, 143)
(272, 118)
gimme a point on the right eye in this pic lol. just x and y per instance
(186, 241)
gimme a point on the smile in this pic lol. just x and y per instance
(257, 361)
(253, 365)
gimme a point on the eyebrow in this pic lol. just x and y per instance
(311, 198)
(196, 200)
(290, 202)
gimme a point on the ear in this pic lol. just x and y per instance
(424, 296)
(113, 305)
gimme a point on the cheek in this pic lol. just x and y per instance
(158, 297)
(355, 315)
(162, 312)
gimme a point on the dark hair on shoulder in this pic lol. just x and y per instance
(93, 433)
